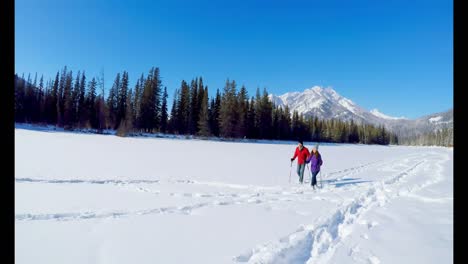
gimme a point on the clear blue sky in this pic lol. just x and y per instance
(396, 55)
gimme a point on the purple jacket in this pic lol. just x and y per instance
(315, 162)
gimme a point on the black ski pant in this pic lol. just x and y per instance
(314, 178)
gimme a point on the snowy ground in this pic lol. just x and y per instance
(85, 198)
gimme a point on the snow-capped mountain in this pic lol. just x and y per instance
(326, 103)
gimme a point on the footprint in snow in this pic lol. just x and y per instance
(372, 224)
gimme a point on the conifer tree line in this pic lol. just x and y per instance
(440, 137)
(76, 102)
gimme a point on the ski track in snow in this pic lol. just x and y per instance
(316, 243)
(71, 181)
(257, 198)
(255, 195)
(260, 195)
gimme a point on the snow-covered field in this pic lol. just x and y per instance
(85, 198)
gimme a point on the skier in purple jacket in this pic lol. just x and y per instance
(315, 160)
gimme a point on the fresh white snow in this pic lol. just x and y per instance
(435, 119)
(377, 113)
(86, 198)
(348, 104)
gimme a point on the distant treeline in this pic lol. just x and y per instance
(74, 102)
(441, 137)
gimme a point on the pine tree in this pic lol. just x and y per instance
(35, 80)
(266, 116)
(150, 101)
(276, 120)
(242, 110)
(52, 107)
(28, 96)
(122, 100)
(47, 101)
(19, 99)
(99, 113)
(200, 93)
(41, 100)
(156, 82)
(173, 121)
(147, 104)
(126, 122)
(164, 116)
(35, 101)
(112, 102)
(227, 113)
(91, 104)
(68, 102)
(193, 108)
(203, 120)
(75, 98)
(183, 108)
(285, 124)
(81, 113)
(353, 133)
(384, 136)
(343, 132)
(60, 96)
(215, 107)
(258, 113)
(309, 128)
(137, 100)
(295, 124)
(250, 120)
(130, 110)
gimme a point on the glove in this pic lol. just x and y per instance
(292, 159)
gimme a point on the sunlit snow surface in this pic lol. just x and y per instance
(86, 198)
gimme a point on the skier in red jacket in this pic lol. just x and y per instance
(301, 153)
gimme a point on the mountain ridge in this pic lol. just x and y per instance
(326, 103)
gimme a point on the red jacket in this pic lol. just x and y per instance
(301, 155)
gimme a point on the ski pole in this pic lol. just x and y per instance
(290, 168)
(321, 185)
